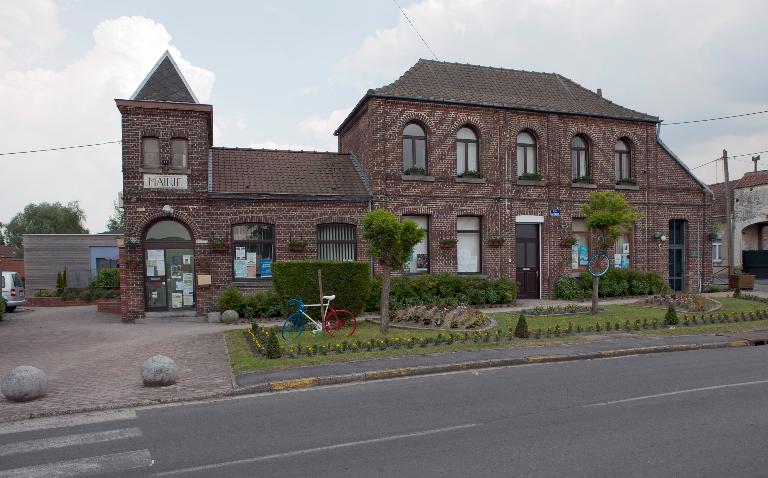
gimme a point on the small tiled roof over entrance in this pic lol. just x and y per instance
(459, 83)
(165, 83)
(286, 173)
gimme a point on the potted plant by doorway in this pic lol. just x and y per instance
(739, 280)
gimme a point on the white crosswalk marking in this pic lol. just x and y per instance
(68, 440)
(76, 444)
(84, 466)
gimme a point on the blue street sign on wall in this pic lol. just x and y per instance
(554, 212)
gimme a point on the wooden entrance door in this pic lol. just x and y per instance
(527, 256)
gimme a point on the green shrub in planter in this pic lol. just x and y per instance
(272, 346)
(670, 318)
(521, 329)
(106, 279)
(349, 281)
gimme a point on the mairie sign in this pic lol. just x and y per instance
(165, 181)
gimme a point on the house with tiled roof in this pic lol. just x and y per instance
(749, 205)
(494, 164)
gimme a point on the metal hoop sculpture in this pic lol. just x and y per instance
(599, 264)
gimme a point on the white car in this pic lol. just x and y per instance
(13, 291)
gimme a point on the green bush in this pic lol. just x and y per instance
(670, 318)
(106, 279)
(70, 294)
(350, 282)
(231, 299)
(616, 282)
(443, 289)
(521, 329)
(272, 347)
(260, 304)
(570, 288)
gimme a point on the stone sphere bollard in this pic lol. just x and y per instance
(24, 383)
(158, 371)
(230, 317)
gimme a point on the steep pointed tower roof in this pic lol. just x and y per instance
(165, 83)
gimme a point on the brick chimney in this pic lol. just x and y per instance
(600, 92)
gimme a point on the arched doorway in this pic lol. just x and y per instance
(754, 249)
(169, 272)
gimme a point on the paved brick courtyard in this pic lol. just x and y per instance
(93, 360)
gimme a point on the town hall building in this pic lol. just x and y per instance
(494, 164)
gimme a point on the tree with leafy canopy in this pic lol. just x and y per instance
(391, 242)
(115, 223)
(608, 215)
(46, 218)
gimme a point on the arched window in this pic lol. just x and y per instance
(150, 150)
(168, 231)
(466, 151)
(623, 161)
(526, 156)
(580, 158)
(414, 149)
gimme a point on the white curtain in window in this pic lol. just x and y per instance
(468, 252)
(419, 261)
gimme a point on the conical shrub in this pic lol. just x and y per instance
(521, 330)
(670, 318)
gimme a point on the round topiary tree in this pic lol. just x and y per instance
(391, 242)
(608, 215)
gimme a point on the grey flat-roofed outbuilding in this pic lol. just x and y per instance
(46, 255)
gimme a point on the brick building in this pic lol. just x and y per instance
(493, 163)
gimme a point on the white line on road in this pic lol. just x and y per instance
(68, 440)
(67, 421)
(678, 392)
(92, 465)
(314, 450)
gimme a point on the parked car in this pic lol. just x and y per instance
(13, 291)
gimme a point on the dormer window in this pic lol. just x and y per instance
(150, 148)
(179, 151)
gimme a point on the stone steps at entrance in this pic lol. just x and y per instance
(181, 315)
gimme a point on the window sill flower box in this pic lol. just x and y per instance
(297, 246)
(219, 246)
(496, 241)
(530, 177)
(568, 242)
(447, 243)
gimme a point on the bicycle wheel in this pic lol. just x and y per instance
(599, 264)
(293, 326)
(340, 322)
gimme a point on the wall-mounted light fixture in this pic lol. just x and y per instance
(657, 236)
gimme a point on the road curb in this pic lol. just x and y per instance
(309, 382)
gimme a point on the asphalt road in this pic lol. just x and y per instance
(700, 413)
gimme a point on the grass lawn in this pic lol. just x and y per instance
(242, 360)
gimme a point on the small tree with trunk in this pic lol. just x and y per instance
(391, 242)
(608, 215)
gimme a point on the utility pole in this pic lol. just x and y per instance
(755, 159)
(728, 215)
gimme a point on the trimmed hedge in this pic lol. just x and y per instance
(443, 289)
(349, 281)
(616, 282)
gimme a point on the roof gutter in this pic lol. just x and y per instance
(679, 161)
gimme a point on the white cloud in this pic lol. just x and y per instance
(308, 90)
(28, 29)
(75, 105)
(680, 60)
(323, 128)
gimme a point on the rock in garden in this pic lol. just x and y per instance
(230, 317)
(24, 383)
(158, 371)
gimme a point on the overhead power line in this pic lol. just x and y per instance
(716, 119)
(416, 30)
(60, 148)
(735, 156)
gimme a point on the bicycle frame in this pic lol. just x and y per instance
(324, 307)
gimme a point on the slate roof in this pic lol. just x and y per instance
(430, 80)
(165, 83)
(718, 205)
(276, 172)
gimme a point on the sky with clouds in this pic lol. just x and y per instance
(285, 74)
